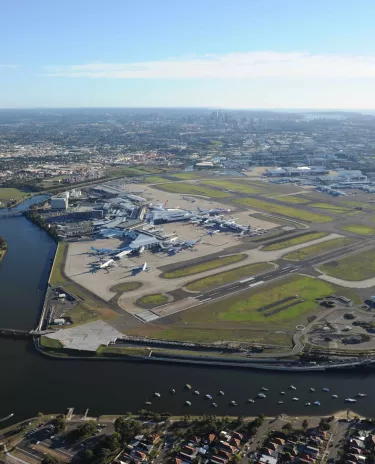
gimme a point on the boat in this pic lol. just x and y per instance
(261, 395)
(196, 392)
(307, 404)
(188, 386)
(312, 389)
(6, 418)
(325, 389)
(187, 403)
(157, 394)
(214, 405)
(264, 389)
(350, 400)
(335, 396)
(221, 393)
(295, 399)
(282, 393)
(361, 395)
(173, 390)
(233, 403)
(209, 396)
(250, 400)
(316, 403)
(148, 402)
(292, 387)
(280, 402)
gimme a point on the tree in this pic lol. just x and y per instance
(59, 423)
(305, 425)
(88, 455)
(127, 428)
(288, 427)
(88, 429)
(287, 456)
(50, 460)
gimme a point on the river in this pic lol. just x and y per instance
(31, 383)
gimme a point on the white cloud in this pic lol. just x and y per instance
(234, 65)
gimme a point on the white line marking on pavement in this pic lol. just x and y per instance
(202, 301)
(246, 280)
(257, 283)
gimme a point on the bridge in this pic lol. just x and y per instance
(10, 214)
(20, 333)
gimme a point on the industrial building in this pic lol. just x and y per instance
(297, 171)
(60, 202)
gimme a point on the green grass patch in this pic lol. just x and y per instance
(202, 267)
(126, 287)
(186, 175)
(254, 305)
(11, 194)
(50, 342)
(235, 186)
(283, 210)
(294, 241)
(82, 314)
(360, 229)
(156, 299)
(331, 208)
(155, 180)
(56, 277)
(358, 266)
(127, 351)
(295, 199)
(318, 249)
(226, 277)
(193, 189)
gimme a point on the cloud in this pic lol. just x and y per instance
(229, 66)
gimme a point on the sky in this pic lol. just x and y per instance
(271, 54)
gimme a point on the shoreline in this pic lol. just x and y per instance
(3, 251)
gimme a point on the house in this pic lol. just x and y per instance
(267, 460)
(211, 437)
(217, 460)
(237, 436)
(138, 456)
(312, 451)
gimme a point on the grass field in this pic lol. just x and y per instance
(50, 342)
(193, 189)
(56, 277)
(126, 287)
(256, 315)
(155, 300)
(338, 209)
(10, 193)
(291, 199)
(360, 229)
(318, 249)
(358, 266)
(294, 241)
(235, 186)
(186, 175)
(155, 180)
(216, 280)
(202, 267)
(283, 210)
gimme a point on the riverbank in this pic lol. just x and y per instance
(3, 248)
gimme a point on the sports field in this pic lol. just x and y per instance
(235, 186)
(294, 241)
(283, 210)
(318, 249)
(338, 209)
(202, 267)
(360, 229)
(226, 277)
(193, 189)
(358, 266)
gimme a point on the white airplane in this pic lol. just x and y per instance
(107, 264)
(141, 268)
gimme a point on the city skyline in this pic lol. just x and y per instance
(250, 55)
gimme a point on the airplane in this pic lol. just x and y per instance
(142, 268)
(173, 251)
(191, 243)
(107, 251)
(213, 232)
(107, 264)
